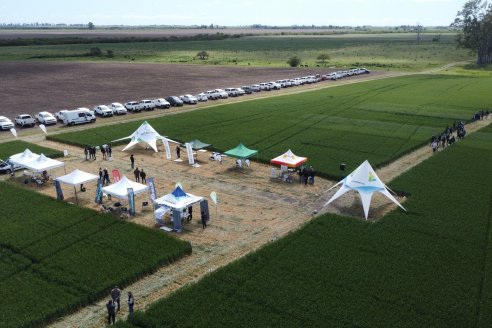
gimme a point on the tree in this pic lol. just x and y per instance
(90, 26)
(202, 55)
(294, 61)
(323, 58)
(475, 22)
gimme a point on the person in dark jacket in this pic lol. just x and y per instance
(143, 175)
(131, 303)
(110, 306)
(137, 174)
(116, 296)
(132, 161)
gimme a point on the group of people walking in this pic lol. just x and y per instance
(104, 176)
(114, 302)
(447, 137)
(306, 174)
(140, 175)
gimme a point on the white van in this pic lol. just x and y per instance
(78, 116)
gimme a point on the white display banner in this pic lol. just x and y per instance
(167, 148)
(189, 149)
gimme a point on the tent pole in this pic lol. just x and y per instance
(76, 199)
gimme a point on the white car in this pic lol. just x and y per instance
(161, 103)
(147, 104)
(231, 92)
(25, 120)
(5, 123)
(265, 86)
(117, 108)
(212, 94)
(201, 97)
(274, 86)
(45, 118)
(255, 87)
(222, 94)
(133, 106)
(189, 99)
(103, 111)
(59, 115)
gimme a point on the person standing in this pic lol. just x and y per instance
(109, 151)
(110, 306)
(103, 152)
(132, 160)
(106, 176)
(137, 174)
(131, 302)
(204, 220)
(86, 152)
(190, 213)
(101, 174)
(143, 175)
(116, 296)
(178, 151)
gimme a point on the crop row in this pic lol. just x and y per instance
(378, 121)
(430, 267)
(56, 257)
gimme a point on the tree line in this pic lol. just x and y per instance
(475, 24)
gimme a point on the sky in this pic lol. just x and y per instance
(233, 12)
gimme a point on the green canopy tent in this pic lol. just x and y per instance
(241, 152)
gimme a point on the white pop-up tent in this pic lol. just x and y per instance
(75, 178)
(24, 157)
(178, 199)
(288, 159)
(366, 182)
(146, 134)
(120, 188)
(42, 163)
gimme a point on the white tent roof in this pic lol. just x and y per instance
(145, 133)
(77, 177)
(42, 163)
(119, 189)
(24, 157)
(365, 181)
(178, 199)
(289, 159)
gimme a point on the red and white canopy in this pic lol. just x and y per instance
(289, 159)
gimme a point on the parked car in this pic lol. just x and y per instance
(174, 101)
(45, 118)
(240, 91)
(222, 94)
(8, 167)
(133, 107)
(5, 123)
(103, 110)
(212, 94)
(147, 105)
(189, 99)
(161, 103)
(255, 87)
(274, 86)
(59, 115)
(117, 108)
(25, 120)
(265, 86)
(247, 89)
(78, 116)
(231, 92)
(201, 97)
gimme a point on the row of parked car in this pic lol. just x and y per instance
(85, 115)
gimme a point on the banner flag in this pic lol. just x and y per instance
(14, 132)
(59, 192)
(213, 196)
(43, 128)
(99, 191)
(153, 193)
(167, 148)
(131, 200)
(116, 175)
(189, 149)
